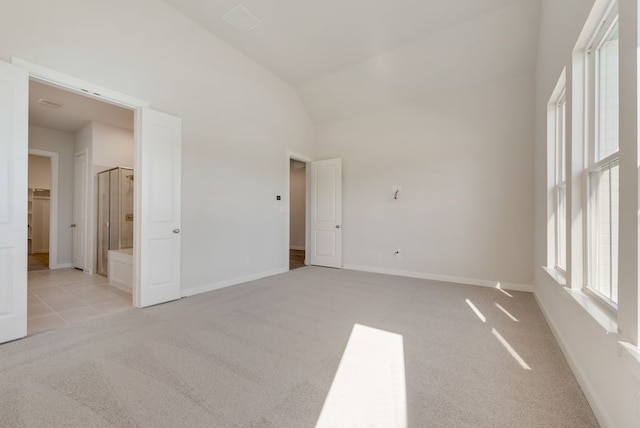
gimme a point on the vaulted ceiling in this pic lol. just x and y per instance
(351, 57)
(346, 57)
(302, 40)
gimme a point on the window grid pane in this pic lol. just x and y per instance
(560, 183)
(607, 96)
(603, 215)
(561, 232)
(561, 138)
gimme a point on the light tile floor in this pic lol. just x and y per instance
(68, 296)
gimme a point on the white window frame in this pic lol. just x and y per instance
(593, 164)
(560, 182)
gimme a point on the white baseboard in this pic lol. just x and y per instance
(444, 278)
(589, 391)
(61, 266)
(297, 247)
(231, 282)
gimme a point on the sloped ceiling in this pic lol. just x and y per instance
(347, 57)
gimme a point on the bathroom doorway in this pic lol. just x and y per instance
(62, 203)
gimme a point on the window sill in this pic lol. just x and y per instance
(631, 354)
(556, 275)
(605, 318)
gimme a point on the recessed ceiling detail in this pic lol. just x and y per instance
(241, 18)
(69, 111)
(50, 104)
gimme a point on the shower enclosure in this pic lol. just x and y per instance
(115, 213)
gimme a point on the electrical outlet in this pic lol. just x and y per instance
(398, 254)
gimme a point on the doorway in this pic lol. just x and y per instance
(158, 147)
(87, 136)
(297, 213)
(39, 195)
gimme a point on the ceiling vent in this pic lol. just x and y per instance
(241, 19)
(50, 104)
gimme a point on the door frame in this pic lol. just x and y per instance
(53, 206)
(64, 81)
(85, 211)
(337, 262)
(307, 161)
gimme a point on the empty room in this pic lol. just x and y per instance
(344, 213)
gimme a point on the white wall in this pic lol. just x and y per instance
(463, 161)
(449, 118)
(62, 143)
(39, 172)
(108, 147)
(238, 119)
(112, 146)
(607, 378)
(297, 204)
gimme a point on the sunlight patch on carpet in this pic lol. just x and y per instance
(509, 348)
(369, 387)
(476, 310)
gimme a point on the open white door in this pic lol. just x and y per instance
(326, 213)
(160, 152)
(14, 128)
(79, 226)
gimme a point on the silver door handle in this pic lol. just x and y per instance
(176, 230)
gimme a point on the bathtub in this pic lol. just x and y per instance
(121, 269)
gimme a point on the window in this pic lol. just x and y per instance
(560, 185)
(602, 172)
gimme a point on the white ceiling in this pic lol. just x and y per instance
(303, 40)
(349, 57)
(77, 110)
(495, 46)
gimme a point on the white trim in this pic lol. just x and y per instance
(556, 133)
(87, 267)
(445, 278)
(73, 84)
(82, 87)
(631, 354)
(53, 204)
(233, 281)
(589, 391)
(556, 275)
(297, 247)
(608, 162)
(298, 157)
(61, 266)
(596, 309)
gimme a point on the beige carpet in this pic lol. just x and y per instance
(264, 354)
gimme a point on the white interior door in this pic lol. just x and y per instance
(14, 124)
(326, 213)
(160, 154)
(79, 226)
